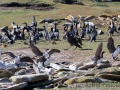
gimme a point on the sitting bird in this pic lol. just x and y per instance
(74, 41)
(110, 45)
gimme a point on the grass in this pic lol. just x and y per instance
(21, 15)
(100, 5)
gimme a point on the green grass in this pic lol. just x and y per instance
(21, 15)
(102, 5)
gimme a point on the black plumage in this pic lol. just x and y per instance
(74, 41)
(41, 55)
(10, 54)
(35, 50)
(26, 59)
(47, 53)
(110, 45)
(93, 35)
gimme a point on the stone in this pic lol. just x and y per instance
(46, 82)
(110, 70)
(20, 72)
(3, 80)
(13, 70)
(29, 78)
(87, 66)
(73, 66)
(79, 64)
(36, 68)
(103, 65)
(17, 86)
(110, 76)
(5, 73)
(56, 66)
(82, 79)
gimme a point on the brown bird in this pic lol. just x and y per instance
(43, 56)
(35, 50)
(74, 41)
(98, 53)
(110, 45)
(47, 55)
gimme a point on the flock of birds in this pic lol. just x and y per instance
(70, 33)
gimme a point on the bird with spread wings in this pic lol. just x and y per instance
(110, 45)
(99, 53)
(18, 59)
(43, 57)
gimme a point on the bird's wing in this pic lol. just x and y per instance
(98, 51)
(79, 41)
(41, 59)
(10, 54)
(35, 50)
(53, 51)
(26, 59)
(110, 45)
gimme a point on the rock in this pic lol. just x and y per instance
(46, 82)
(73, 67)
(5, 73)
(20, 72)
(82, 79)
(110, 76)
(56, 66)
(116, 64)
(3, 80)
(17, 86)
(36, 68)
(103, 65)
(40, 69)
(13, 70)
(29, 78)
(79, 64)
(110, 70)
(87, 66)
(61, 70)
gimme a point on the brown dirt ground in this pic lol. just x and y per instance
(64, 56)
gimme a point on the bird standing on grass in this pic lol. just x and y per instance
(74, 41)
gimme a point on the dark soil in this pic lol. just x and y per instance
(41, 6)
